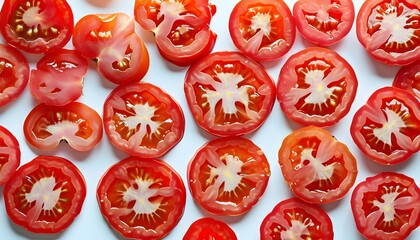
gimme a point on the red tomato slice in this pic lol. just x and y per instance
(143, 120)
(295, 219)
(36, 26)
(45, 195)
(111, 41)
(9, 155)
(389, 30)
(387, 128)
(14, 74)
(386, 206)
(209, 229)
(75, 123)
(181, 28)
(228, 176)
(262, 29)
(324, 22)
(317, 167)
(316, 86)
(58, 79)
(229, 94)
(141, 198)
(408, 78)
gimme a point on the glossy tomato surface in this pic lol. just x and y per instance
(141, 198)
(75, 123)
(389, 30)
(45, 195)
(316, 86)
(36, 26)
(262, 29)
(408, 78)
(387, 128)
(386, 206)
(229, 94)
(228, 176)
(143, 120)
(9, 154)
(294, 219)
(324, 22)
(208, 228)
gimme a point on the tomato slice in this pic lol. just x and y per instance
(408, 78)
(45, 195)
(14, 74)
(229, 94)
(324, 22)
(111, 41)
(317, 167)
(228, 176)
(386, 206)
(387, 128)
(58, 79)
(9, 155)
(262, 29)
(295, 219)
(141, 198)
(209, 229)
(389, 30)
(143, 120)
(75, 123)
(316, 86)
(36, 26)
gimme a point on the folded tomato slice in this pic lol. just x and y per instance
(9, 154)
(387, 128)
(75, 123)
(141, 198)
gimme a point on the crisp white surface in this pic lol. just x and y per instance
(90, 223)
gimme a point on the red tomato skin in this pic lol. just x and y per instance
(12, 88)
(343, 8)
(209, 228)
(367, 227)
(22, 176)
(408, 78)
(9, 146)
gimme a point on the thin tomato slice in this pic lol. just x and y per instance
(9, 154)
(209, 229)
(408, 78)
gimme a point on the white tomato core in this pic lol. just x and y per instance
(44, 193)
(227, 174)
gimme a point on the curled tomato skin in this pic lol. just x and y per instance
(9, 154)
(408, 78)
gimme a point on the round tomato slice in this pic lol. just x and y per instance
(317, 167)
(14, 74)
(229, 94)
(75, 123)
(228, 176)
(324, 22)
(141, 198)
(143, 120)
(386, 206)
(36, 26)
(316, 86)
(9, 155)
(387, 128)
(389, 30)
(408, 78)
(58, 79)
(209, 229)
(45, 195)
(262, 29)
(295, 219)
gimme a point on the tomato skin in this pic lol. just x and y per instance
(313, 222)
(47, 27)
(324, 22)
(316, 86)
(9, 154)
(408, 78)
(151, 180)
(247, 170)
(14, 74)
(209, 228)
(31, 212)
(75, 123)
(394, 115)
(368, 202)
(262, 44)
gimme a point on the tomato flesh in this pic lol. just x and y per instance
(408, 78)
(9, 154)
(209, 229)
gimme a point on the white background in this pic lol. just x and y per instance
(91, 225)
